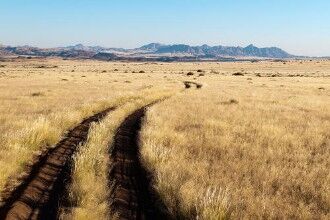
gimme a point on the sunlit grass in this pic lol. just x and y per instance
(245, 146)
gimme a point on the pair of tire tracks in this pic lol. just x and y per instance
(39, 194)
(132, 197)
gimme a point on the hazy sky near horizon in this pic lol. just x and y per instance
(301, 27)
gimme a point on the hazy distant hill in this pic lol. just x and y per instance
(152, 47)
(249, 51)
(153, 50)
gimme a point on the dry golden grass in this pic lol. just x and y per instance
(243, 150)
(89, 188)
(37, 106)
(240, 147)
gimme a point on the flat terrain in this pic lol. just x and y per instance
(252, 142)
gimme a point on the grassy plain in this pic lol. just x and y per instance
(245, 146)
(243, 149)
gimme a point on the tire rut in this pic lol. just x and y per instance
(132, 196)
(39, 194)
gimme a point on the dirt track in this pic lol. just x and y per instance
(132, 196)
(38, 196)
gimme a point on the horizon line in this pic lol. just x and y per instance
(136, 47)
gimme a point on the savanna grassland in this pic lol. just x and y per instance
(253, 142)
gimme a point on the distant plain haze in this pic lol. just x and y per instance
(300, 27)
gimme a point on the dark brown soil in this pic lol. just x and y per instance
(132, 196)
(39, 195)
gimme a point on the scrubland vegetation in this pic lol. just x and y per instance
(241, 150)
(252, 142)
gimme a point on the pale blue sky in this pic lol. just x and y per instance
(301, 27)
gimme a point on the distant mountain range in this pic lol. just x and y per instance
(249, 51)
(153, 51)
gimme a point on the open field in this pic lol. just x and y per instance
(253, 142)
(256, 150)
